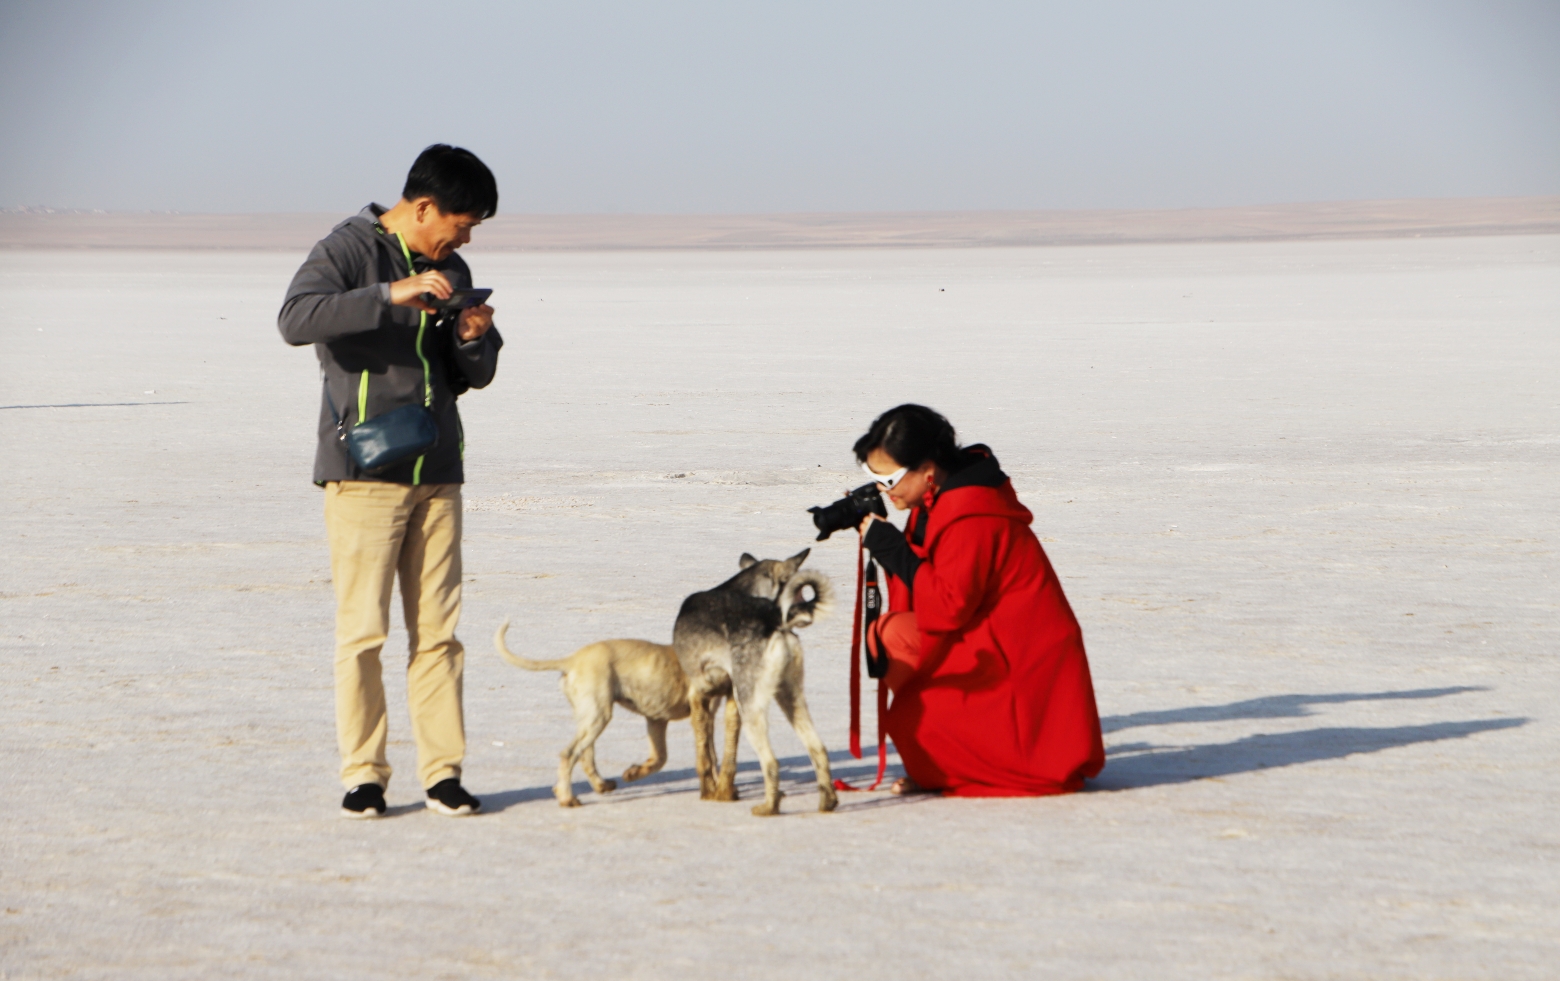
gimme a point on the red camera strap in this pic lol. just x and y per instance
(855, 658)
(882, 717)
(855, 684)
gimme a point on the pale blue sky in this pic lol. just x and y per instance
(794, 106)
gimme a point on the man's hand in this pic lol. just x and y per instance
(474, 322)
(408, 292)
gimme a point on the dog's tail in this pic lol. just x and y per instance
(795, 610)
(523, 662)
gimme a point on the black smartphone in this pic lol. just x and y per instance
(459, 300)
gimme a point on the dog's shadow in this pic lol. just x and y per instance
(796, 779)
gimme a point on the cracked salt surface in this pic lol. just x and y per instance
(1244, 491)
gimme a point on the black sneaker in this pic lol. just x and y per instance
(366, 800)
(449, 797)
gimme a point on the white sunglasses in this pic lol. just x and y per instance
(889, 481)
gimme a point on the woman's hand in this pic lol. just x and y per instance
(866, 523)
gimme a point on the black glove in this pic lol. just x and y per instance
(888, 545)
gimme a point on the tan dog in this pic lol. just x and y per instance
(641, 676)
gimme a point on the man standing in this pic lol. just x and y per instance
(361, 300)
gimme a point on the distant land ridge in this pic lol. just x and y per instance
(43, 228)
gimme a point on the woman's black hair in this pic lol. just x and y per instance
(913, 434)
(458, 182)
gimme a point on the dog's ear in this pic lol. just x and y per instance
(747, 561)
(795, 562)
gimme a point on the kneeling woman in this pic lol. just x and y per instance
(992, 694)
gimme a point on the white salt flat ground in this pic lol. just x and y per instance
(1302, 496)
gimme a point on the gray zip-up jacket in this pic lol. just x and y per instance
(374, 356)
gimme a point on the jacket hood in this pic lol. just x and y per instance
(364, 228)
(980, 470)
(361, 225)
(979, 489)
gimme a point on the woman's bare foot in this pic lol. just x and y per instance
(904, 785)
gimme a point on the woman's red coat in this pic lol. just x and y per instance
(1002, 704)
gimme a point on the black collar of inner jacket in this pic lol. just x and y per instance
(981, 470)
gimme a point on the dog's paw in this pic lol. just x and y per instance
(766, 809)
(635, 772)
(828, 800)
(569, 802)
(606, 787)
(726, 792)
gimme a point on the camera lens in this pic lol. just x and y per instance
(848, 511)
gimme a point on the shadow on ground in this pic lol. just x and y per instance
(89, 405)
(1271, 707)
(1132, 765)
(796, 778)
(1128, 766)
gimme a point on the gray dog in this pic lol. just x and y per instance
(738, 640)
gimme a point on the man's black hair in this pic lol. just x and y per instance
(458, 182)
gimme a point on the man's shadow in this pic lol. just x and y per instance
(1133, 765)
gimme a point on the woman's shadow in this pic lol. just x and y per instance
(1128, 765)
(1132, 765)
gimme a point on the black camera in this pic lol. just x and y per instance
(848, 511)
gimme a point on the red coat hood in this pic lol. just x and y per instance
(980, 489)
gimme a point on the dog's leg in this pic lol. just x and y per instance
(794, 704)
(703, 734)
(726, 787)
(756, 712)
(564, 788)
(656, 730)
(711, 759)
(589, 724)
(588, 764)
(753, 691)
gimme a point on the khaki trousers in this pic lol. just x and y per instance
(377, 531)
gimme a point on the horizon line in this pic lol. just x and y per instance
(47, 209)
(47, 228)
